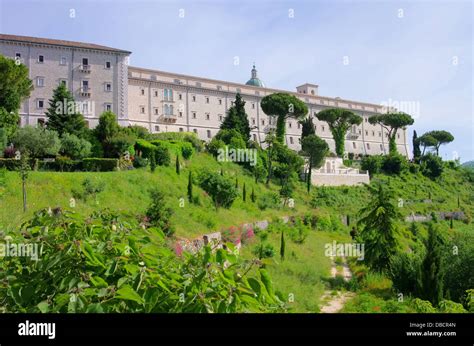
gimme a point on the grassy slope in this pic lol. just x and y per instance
(127, 191)
(305, 270)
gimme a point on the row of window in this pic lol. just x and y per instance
(40, 82)
(63, 61)
(40, 104)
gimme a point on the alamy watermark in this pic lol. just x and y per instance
(227, 154)
(8, 249)
(335, 249)
(405, 106)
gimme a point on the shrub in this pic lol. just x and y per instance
(264, 250)
(118, 145)
(100, 164)
(140, 162)
(38, 142)
(373, 164)
(448, 306)
(394, 164)
(221, 189)
(187, 150)
(105, 264)
(268, 200)
(158, 213)
(75, 147)
(214, 146)
(162, 156)
(144, 148)
(9, 164)
(431, 166)
(90, 188)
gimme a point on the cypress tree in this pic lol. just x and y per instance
(252, 196)
(282, 246)
(244, 194)
(416, 147)
(433, 267)
(222, 171)
(190, 187)
(307, 127)
(237, 119)
(236, 183)
(152, 161)
(177, 165)
(62, 114)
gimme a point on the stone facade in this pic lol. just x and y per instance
(163, 101)
(96, 75)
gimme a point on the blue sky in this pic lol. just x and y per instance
(374, 51)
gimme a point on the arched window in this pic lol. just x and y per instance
(165, 94)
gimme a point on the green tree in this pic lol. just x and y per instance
(307, 127)
(9, 122)
(158, 213)
(24, 170)
(177, 165)
(190, 187)
(237, 119)
(282, 245)
(38, 142)
(392, 122)
(339, 121)
(62, 114)
(283, 106)
(433, 266)
(442, 137)
(74, 147)
(427, 141)
(416, 147)
(153, 161)
(15, 86)
(270, 140)
(220, 188)
(379, 227)
(317, 149)
(253, 197)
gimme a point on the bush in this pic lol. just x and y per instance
(90, 188)
(214, 146)
(140, 162)
(394, 164)
(268, 200)
(104, 264)
(9, 164)
(100, 165)
(118, 145)
(431, 166)
(75, 147)
(264, 250)
(221, 189)
(159, 215)
(38, 142)
(187, 150)
(373, 164)
(162, 156)
(144, 148)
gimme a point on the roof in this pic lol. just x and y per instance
(255, 82)
(64, 43)
(179, 75)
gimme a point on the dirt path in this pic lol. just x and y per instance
(333, 301)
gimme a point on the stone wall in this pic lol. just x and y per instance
(328, 179)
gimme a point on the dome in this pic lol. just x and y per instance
(254, 80)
